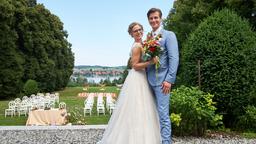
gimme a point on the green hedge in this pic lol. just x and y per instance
(226, 47)
(30, 87)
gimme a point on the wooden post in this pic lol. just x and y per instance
(199, 73)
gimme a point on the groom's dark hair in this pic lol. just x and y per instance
(152, 10)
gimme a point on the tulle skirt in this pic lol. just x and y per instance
(135, 119)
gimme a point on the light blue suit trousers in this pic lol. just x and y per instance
(169, 61)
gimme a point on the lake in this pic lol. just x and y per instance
(97, 79)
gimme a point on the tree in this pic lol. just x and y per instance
(187, 14)
(223, 47)
(43, 37)
(11, 60)
(80, 80)
(33, 46)
(107, 82)
(126, 71)
(31, 3)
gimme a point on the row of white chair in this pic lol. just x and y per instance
(88, 104)
(110, 103)
(25, 111)
(26, 104)
(100, 104)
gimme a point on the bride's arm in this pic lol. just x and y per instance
(136, 62)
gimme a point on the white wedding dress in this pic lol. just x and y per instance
(135, 119)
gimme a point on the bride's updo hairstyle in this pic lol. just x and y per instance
(132, 25)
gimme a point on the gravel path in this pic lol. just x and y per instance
(216, 140)
(89, 134)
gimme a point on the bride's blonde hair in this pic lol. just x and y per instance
(132, 25)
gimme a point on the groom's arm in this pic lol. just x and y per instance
(173, 57)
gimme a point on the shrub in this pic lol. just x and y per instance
(248, 120)
(30, 87)
(196, 111)
(225, 47)
(76, 117)
(175, 119)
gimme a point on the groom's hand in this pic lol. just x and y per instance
(166, 87)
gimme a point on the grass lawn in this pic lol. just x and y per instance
(74, 104)
(10, 120)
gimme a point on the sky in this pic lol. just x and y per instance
(98, 29)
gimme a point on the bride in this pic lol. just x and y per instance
(135, 119)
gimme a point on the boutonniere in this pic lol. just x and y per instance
(158, 37)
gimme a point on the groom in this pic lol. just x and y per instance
(169, 60)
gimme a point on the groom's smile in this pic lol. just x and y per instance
(155, 20)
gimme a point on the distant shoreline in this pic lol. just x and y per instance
(98, 66)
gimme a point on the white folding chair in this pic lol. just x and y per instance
(62, 105)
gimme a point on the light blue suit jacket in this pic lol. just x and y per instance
(169, 60)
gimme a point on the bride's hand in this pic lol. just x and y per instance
(154, 60)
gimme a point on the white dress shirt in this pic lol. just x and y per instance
(155, 33)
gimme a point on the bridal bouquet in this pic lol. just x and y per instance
(152, 48)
